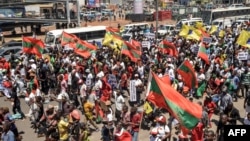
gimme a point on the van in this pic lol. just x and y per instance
(141, 25)
(222, 23)
(189, 22)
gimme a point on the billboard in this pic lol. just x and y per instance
(138, 6)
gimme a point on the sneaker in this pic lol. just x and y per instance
(97, 130)
(27, 115)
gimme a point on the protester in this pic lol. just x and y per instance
(112, 83)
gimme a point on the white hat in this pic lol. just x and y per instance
(31, 60)
(87, 71)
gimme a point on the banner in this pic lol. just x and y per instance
(242, 55)
(91, 3)
(132, 91)
(112, 81)
(206, 40)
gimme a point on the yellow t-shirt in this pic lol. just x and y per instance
(63, 129)
(88, 107)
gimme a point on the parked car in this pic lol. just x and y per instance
(16, 51)
(12, 43)
(7, 51)
(165, 29)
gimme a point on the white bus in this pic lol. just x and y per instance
(232, 13)
(89, 34)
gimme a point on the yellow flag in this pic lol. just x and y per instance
(184, 30)
(194, 34)
(147, 108)
(244, 39)
(107, 39)
(213, 29)
(222, 33)
(118, 42)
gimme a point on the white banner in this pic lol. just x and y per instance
(243, 55)
(207, 40)
(145, 44)
(132, 91)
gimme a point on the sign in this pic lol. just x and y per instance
(132, 91)
(150, 35)
(112, 81)
(169, 39)
(145, 44)
(242, 56)
(206, 39)
(88, 82)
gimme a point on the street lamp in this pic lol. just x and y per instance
(157, 20)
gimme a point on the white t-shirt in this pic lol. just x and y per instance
(83, 90)
(138, 82)
(162, 130)
(119, 101)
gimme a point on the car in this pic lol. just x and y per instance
(165, 29)
(127, 37)
(16, 50)
(12, 43)
(7, 51)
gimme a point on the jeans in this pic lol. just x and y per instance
(135, 136)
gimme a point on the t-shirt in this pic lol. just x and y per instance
(136, 119)
(88, 107)
(119, 101)
(9, 136)
(63, 129)
(162, 130)
(246, 121)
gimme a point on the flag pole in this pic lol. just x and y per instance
(148, 89)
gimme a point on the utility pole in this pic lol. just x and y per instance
(68, 13)
(78, 13)
(157, 20)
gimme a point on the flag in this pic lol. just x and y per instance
(123, 135)
(147, 108)
(187, 72)
(67, 38)
(83, 48)
(113, 31)
(194, 34)
(117, 43)
(213, 29)
(164, 96)
(107, 39)
(167, 47)
(136, 44)
(130, 51)
(184, 30)
(200, 26)
(201, 89)
(33, 46)
(203, 54)
(222, 33)
(244, 39)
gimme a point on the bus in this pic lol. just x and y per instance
(89, 34)
(232, 13)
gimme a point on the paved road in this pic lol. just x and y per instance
(29, 135)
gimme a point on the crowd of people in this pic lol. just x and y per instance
(96, 91)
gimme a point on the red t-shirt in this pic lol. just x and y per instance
(197, 133)
(136, 120)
